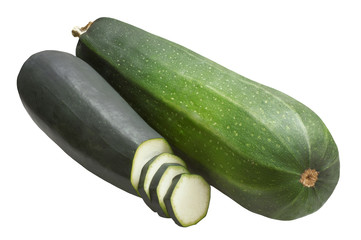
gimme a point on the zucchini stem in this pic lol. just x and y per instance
(78, 31)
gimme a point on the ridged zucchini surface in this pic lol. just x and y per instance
(262, 148)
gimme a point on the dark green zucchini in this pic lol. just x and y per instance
(85, 116)
(262, 148)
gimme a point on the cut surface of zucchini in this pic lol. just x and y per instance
(160, 184)
(148, 171)
(146, 151)
(187, 199)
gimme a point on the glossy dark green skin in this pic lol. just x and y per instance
(249, 141)
(83, 114)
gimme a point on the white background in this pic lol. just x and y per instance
(310, 50)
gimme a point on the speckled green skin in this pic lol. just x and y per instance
(249, 141)
(83, 114)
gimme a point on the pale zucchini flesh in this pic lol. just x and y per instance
(187, 199)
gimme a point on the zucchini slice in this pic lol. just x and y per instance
(160, 184)
(145, 152)
(187, 199)
(148, 171)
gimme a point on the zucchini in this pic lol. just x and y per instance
(85, 116)
(160, 184)
(262, 148)
(187, 199)
(148, 171)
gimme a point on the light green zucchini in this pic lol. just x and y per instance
(262, 148)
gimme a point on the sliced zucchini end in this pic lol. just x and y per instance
(146, 151)
(187, 200)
